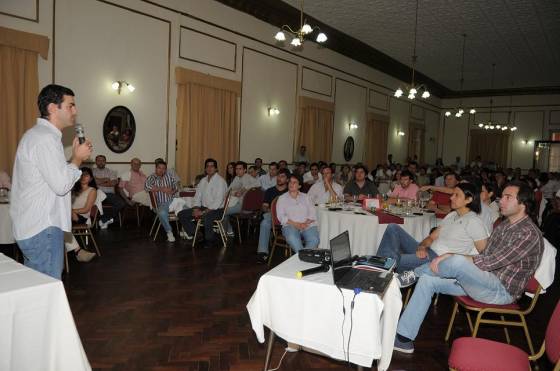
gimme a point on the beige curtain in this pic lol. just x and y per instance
(377, 135)
(315, 129)
(207, 122)
(490, 145)
(19, 84)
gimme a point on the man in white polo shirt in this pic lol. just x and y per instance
(40, 201)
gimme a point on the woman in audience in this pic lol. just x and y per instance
(490, 210)
(297, 215)
(344, 176)
(230, 173)
(84, 195)
(396, 179)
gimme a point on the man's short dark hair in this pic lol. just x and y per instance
(525, 196)
(314, 164)
(360, 166)
(258, 158)
(407, 173)
(160, 161)
(105, 158)
(51, 94)
(284, 171)
(472, 191)
(210, 161)
(273, 163)
(452, 173)
(253, 167)
(242, 163)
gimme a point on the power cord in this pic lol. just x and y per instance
(356, 292)
(343, 320)
(280, 362)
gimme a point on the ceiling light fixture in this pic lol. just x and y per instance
(298, 36)
(119, 84)
(414, 89)
(459, 111)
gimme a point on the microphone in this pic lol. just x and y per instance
(80, 133)
(307, 272)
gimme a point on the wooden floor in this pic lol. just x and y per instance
(160, 306)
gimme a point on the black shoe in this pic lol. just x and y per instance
(262, 258)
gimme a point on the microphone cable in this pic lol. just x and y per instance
(356, 292)
(343, 320)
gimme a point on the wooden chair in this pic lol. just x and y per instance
(513, 309)
(469, 353)
(219, 223)
(250, 209)
(278, 238)
(157, 223)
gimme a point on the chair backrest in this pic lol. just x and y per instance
(153, 200)
(226, 204)
(532, 286)
(93, 214)
(552, 336)
(275, 221)
(253, 200)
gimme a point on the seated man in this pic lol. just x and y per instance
(132, 184)
(163, 185)
(172, 173)
(208, 203)
(440, 202)
(269, 180)
(297, 215)
(106, 180)
(266, 223)
(240, 185)
(406, 189)
(360, 186)
(258, 167)
(461, 231)
(497, 276)
(313, 175)
(326, 189)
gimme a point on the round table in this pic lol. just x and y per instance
(365, 230)
(6, 234)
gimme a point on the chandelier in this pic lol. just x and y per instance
(414, 89)
(490, 124)
(298, 36)
(458, 112)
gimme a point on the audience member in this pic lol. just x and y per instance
(240, 185)
(266, 223)
(269, 180)
(300, 169)
(106, 180)
(361, 187)
(313, 175)
(440, 201)
(208, 204)
(302, 155)
(258, 166)
(488, 213)
(496, 276)
(406, 189)
(345, 175)
(325, 190)
(230, 173)
(84, 194)
(551, 223)
(297, 215)
(132, 184)
(461, 231)
(163, 187)
(282, 164)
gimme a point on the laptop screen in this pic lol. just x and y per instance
(341, 257)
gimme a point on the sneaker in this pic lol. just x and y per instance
(406, 278)
(185, 236)
(230, 234)
(403, 346)
(84, 256)
(170, 237)
(262, 258)
(105, 225)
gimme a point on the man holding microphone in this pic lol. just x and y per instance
(42, 180)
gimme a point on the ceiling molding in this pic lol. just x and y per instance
(278, 13)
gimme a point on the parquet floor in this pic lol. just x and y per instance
(163, 307)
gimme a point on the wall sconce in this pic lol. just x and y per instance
(352, 125)
(526, 142)
(400, 133)
(273, 111)
(118, 85)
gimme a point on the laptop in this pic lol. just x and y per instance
(347, 277)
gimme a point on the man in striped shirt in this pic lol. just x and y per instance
(498, 275)
(163, 186)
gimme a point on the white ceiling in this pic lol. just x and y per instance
(521, 36)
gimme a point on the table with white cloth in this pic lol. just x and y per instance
(37, 330)
(6, 234)
(308, 312)
(365, 230)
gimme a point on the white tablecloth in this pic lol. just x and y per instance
(308, 312)
(6, 234)
(37, 330)
(180, 203)
(365, 231)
